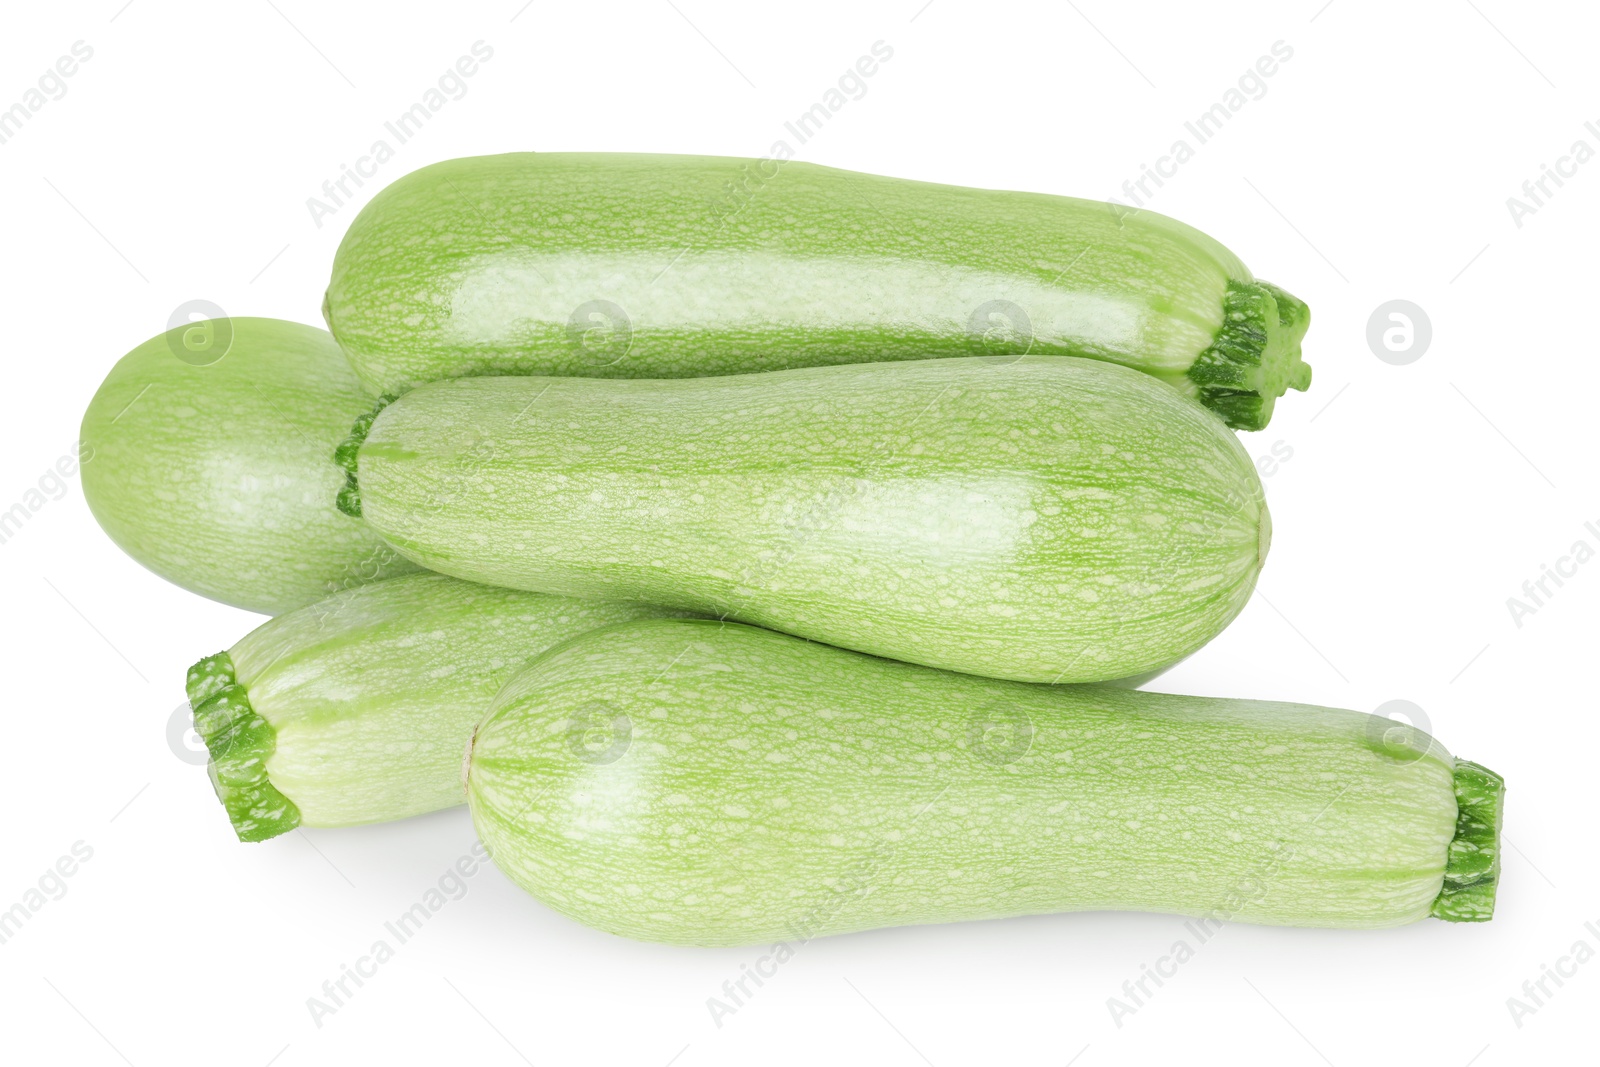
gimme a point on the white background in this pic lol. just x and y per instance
(1418, 498)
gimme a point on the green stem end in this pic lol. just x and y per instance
(349, 499)
(1472, 869)
(1255, 357)
(240, 742)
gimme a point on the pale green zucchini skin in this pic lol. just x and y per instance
(1045, 519)
(357, 708)
(666, 266)
(716, 784)
(219, 477)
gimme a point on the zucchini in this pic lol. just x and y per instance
(716, 784)
(1044, 519)
(357, 708)
(215, 472)
(663, 266)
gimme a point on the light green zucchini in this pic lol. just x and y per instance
(662, 266)
(713, 784)
(357, 708)
(211, 463)
(1045, 518)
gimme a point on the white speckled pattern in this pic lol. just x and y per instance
(747, 787)
(1045, 518)
(373, 692)
(220, 478)
(709, 265)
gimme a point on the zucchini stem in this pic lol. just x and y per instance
(240, 742)
(1255, 357)
(349, 500)
(1472, 868)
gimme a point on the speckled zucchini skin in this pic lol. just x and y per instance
(357, 708)
(1042, 518)
(714, 784)
(667, 266)
(217, 475)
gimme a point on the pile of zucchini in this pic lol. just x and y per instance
(765, 551)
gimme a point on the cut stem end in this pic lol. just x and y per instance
(1255, 357)
(348, 453)
(240, 742)
(1472, 870)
